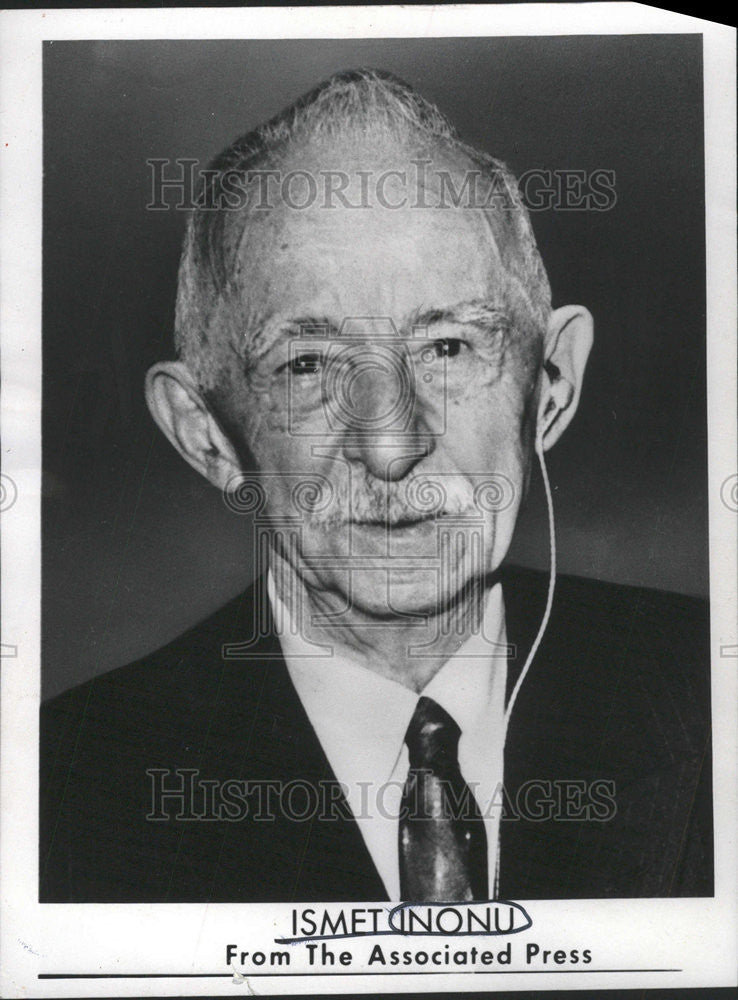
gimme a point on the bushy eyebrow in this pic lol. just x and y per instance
(276, 329)
(481, 313)
(474, 313)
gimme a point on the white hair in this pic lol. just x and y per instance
(210, 305)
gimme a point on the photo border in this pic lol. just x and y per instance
(102, 946)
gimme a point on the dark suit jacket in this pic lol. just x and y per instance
(618, 692)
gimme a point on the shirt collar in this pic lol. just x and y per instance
(464, 685)
(361, 717)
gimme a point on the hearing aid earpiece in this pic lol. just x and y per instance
(560, 395)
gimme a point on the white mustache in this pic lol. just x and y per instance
(393, 503)
(322, 503)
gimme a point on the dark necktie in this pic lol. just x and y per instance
(443, 844)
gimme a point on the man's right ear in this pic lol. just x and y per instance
(182, 413)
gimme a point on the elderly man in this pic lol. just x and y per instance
(370, 365)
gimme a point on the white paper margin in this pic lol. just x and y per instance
(696, 936)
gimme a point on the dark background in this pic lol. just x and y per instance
(135, 546)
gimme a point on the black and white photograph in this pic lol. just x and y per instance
(384, 519)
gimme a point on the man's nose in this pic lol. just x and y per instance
(382, 424)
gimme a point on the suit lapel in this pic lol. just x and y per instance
(594, 712)
(521, 871)
(314, 837)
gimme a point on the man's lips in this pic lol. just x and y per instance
(406, 522)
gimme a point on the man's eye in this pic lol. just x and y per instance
(306, 364)
(449, 347)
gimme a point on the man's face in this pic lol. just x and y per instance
(388, 369)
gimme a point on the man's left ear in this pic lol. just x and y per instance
(566, 349)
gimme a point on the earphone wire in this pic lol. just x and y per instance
(542, 628)
(551, 586)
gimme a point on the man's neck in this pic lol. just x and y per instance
(408, 651)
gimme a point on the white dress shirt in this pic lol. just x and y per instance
(361, 719)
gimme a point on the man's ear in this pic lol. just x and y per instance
(180, 410)
(566, 349)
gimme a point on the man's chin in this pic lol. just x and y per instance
(402, 594)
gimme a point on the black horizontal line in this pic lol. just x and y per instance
(382, 972)
(138, 975)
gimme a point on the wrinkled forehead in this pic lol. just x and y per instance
(368, 225)
(372, 176)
